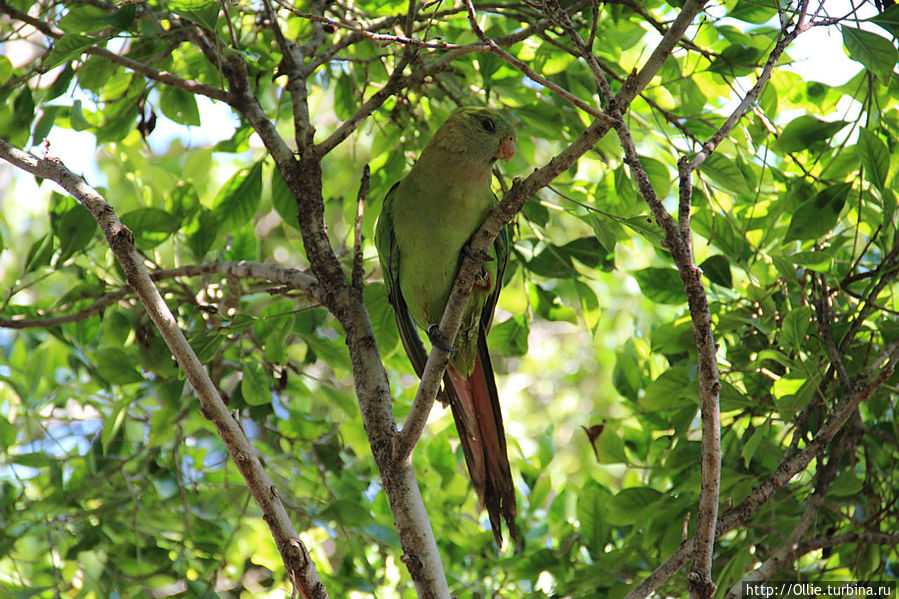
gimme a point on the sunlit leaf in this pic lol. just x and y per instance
(237, 200)
(201, 12)
(67, 47)
(874, 156)
(875, 52)
(254, 384)
(816, 217)
(662, 285)
(803, 132)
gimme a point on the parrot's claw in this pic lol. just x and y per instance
(439, 340)
(485, 256)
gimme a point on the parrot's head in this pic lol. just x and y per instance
(483, 133)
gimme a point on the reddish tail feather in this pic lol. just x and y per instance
(479, 421)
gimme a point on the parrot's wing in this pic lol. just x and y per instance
(501, 251)
(389, 257)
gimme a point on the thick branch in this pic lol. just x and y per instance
(295, 556)
(678, 241)
(292, 66)
(304, 179)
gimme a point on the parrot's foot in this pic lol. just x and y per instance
(439, 340)
(485, 256)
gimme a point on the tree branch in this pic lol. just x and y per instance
(304, 179)
(121, 241)
(292, 66)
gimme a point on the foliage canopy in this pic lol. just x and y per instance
(114, 483)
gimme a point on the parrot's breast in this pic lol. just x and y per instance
(432, 223)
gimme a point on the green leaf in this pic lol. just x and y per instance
(242, 244)
(552, 262)
(344, 97)
(661, 285)
(874, 156)
(805, 131)
(736, 60)
(717, 269)
(591, 515)
(76, 117)
(115, 367)
(150, 226)
(5, 69)
(667, 392)
(39, 253)
(549, 306)
(751, 446)
(627, 375)
(43, 126)
(254, 384)
(658, 175)
(179, 105)
(84, 18)
(201, 12)
(754, 12)
(283, 201)
(241, 322)
(60, 85)
(586, 250)
(630, 506)
(201, 232)
(818, 261)
(113, 423)
(23, 107)
(67, 47)
(795, 326)
(817, 216)
(609, 448)
(123, 18)
(510, 337)
(846, 484)
(875, 52)
(206, 344)
(645, 226)
(237, 201)
(75, 230)
(888, 19)
(724, 173)
(8, 433)
(606, 231)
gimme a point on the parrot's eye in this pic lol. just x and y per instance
(488, 125)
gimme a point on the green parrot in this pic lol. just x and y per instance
(423, 233)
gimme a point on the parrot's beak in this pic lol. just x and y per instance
(506, 149)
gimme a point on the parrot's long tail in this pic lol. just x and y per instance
(479, 421)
